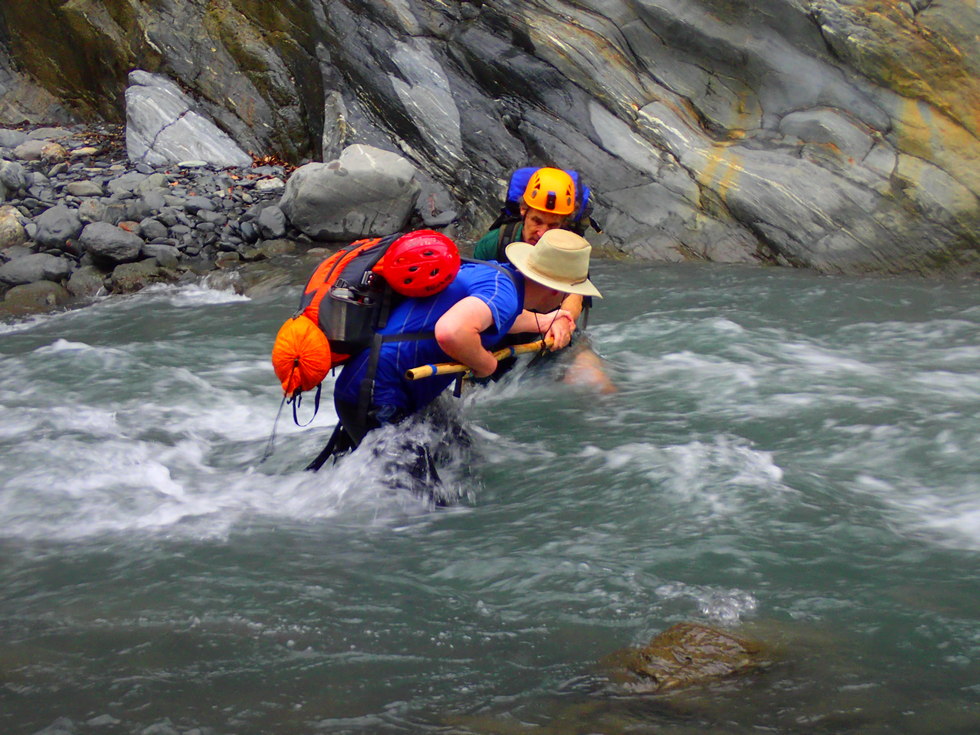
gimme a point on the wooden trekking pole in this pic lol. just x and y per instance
(446, 368)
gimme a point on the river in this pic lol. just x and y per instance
(789, 456)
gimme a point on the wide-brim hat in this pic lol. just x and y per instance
(560, 260)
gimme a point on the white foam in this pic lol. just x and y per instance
(718, 605)
(198, 294)
(950, 516)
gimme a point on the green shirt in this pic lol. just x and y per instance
(486, 246)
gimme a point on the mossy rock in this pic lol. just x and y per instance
(685, 655)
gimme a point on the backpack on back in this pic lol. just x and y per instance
(351, 295)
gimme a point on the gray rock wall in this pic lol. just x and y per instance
(834, 134)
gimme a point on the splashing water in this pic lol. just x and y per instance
(792, 457)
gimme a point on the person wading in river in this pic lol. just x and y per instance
(548, 203)
(470, 317)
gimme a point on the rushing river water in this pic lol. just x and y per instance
(789, 456)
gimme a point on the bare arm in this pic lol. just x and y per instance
(557, 324)
(458, 334)
(573, 305)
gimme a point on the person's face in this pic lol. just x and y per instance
(536, 223)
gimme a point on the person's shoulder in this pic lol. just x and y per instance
(489, 274)
(486, 246)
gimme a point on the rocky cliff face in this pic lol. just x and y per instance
(835, 134)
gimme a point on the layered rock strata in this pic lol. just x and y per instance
(839, 135)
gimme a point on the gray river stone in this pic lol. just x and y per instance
(109, 244)
(35, 267)
(58, 227)
(86, 282)
(365, 192)
(84, 189)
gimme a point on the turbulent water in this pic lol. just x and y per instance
(792, 457)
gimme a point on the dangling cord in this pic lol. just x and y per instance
(272, 437)
(544, 348)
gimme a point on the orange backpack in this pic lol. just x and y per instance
(344, 299)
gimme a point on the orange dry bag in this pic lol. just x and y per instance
(300, 355)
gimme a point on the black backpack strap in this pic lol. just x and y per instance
(366, 396)
(505, 236)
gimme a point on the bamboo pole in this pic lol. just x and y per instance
(446, 368)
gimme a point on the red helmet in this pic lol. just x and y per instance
(420, 263)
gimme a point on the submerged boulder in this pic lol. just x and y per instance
(684, 655)
(34, 297)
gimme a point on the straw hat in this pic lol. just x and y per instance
(560, 261)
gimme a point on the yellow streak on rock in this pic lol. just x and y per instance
(925, 132)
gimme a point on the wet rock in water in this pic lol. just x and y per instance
(35, 297)
(131, 277)
(684, 655)
(86, 282)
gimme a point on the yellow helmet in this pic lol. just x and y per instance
(550, 190)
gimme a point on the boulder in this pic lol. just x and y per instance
(151, 228)
(86, 282)
(84, 189)
(131, 277)
(30, 150)
(58, 227)
(35, 267)
(13, 176)
(110, 245)
(34, 297)
(11, 138)
(367, 191)
(271, 223)
(53, 152)
(92, 210)
(12, 231)
(163, 126)
(167, 256)
(684, 655)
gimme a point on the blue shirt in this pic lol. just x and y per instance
(489, 284)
